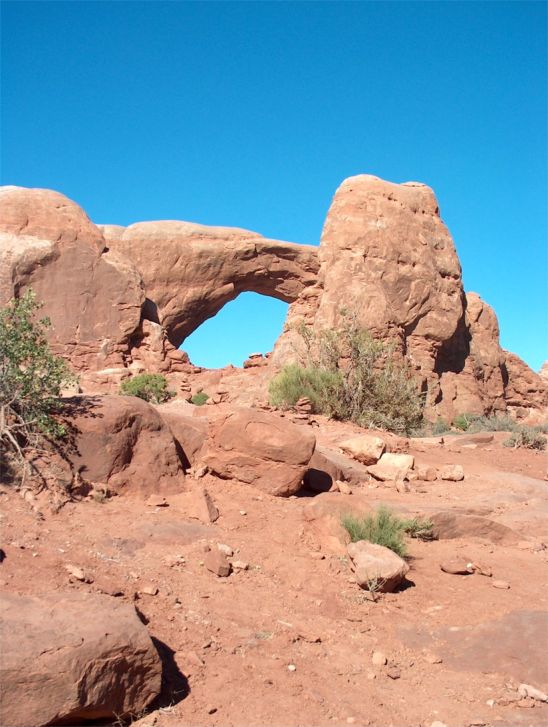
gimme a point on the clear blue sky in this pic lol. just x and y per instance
(251, 114)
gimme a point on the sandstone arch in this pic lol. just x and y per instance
(191, 271)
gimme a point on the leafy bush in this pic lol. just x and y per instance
(200, 398)
(348, 375)
(31, 378)
(526, 437)
(150, 387)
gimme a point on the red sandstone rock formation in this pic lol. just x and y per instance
(122, 300)
(191, 271)
(93, 297)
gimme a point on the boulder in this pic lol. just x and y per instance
(322, 472)
(189, 432)
(376, 567)
(259, 449)
(327, 466)
(449, 525)
(452, 472)
(392, 467)
(122, 442)
(427, 474)
(366, 448)
(73, 657)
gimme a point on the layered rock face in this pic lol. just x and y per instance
(122, 300)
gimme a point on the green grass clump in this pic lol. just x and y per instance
(385, 528)
(526, 437)
(321, 386)
(200, 398)
(149, 387)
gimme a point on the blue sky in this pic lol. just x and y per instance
(251, 114)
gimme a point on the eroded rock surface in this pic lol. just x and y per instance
(70, 657)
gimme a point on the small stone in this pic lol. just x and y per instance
(452, 473)
(402, 486)
(75, 572)
(525, 703)
(226, 549)
(291, 667)
(526, 690)
(150, 591)
(240, 565)
(501, 584)
(458, 567)
(157, 501)
(217, 563)
(432, 658)
(350, 720)
(243, 512)
(344, 488)
(211, 710)
(371, 675)
(378, 658)
(393, 673)
(437, 723)
(490, 702)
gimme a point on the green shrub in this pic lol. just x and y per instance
(385, 528)
(199, 399)
(463, 421)
(348, 375)
(526, 437)
(150, 387)
(31, 379)
(322, 387)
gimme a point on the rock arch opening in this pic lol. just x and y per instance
(251, 323)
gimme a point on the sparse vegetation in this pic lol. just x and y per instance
(385, 528)
(199, 399)
(31, 379)
(440, 426)
(150, 387)
(348, 375)
(494, 423)
(463, 421)
(526, 437)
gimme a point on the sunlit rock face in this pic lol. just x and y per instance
(124, 299)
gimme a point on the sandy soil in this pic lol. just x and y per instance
(289, 641)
